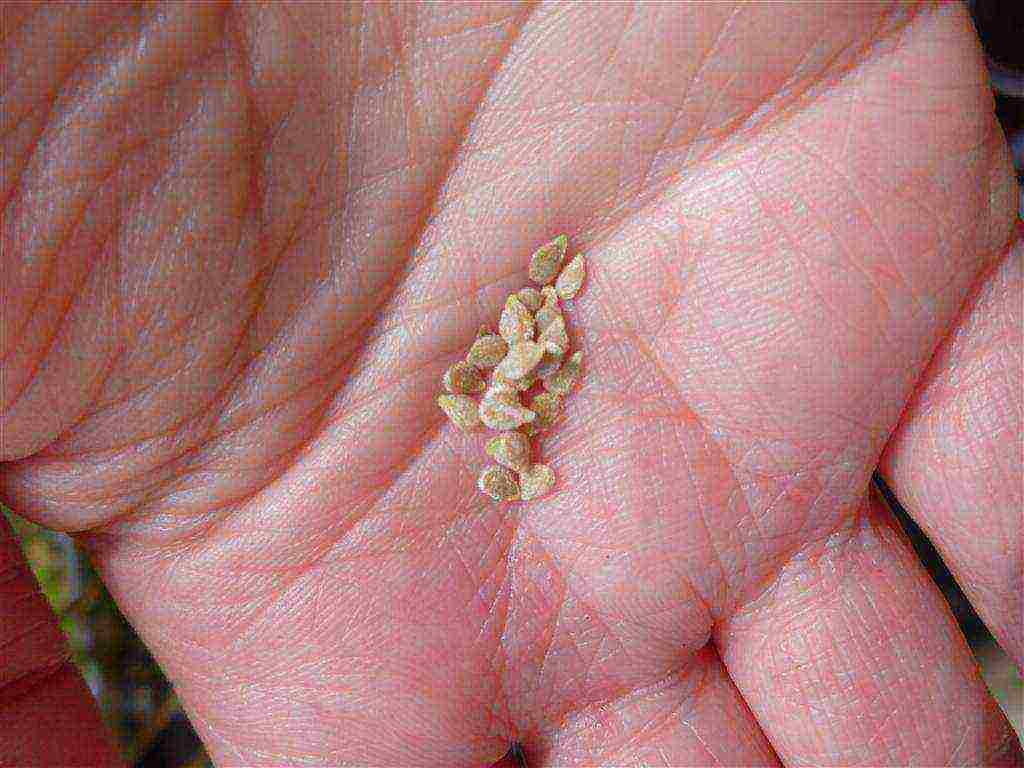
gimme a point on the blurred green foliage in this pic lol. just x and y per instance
(136, 700)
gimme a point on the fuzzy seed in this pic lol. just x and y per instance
(531, 298)
(571, 278)
(547, 260)
(527, 382)
(549, 364)
(545, 317)
(516, 322)
(536, 481)
(499, 483)
(461, 410)
(550, 311)
(510, 449)
(522, 384)
(521, 360)
(562, 380)
(554, 337)
(487, 351)
(501, 388)
(463, 378)
(547, 406)
(503, 414)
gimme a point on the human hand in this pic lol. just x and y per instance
(241, 243)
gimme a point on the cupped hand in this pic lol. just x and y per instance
(242, 241)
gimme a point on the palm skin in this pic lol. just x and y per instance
(241, 242)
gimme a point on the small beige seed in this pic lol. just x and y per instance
(546, 316)
(500, 414)
(501, 388)
(510, 449)
(562, 380)
(531, 298)
(516, 322)
(536, 481)
(487, 351)
(464, 378)
(499, 483)
(550, 312)
(461, 410)
(522, 384)
(547, 260)
(549, 364)
(525, 383)
(554, 337)
(571, 278)
(521, 360)
(547, 406)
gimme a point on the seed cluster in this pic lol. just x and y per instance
(531, 346)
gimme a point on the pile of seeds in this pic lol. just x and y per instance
(531, 347)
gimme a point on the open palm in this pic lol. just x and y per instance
(242, 241)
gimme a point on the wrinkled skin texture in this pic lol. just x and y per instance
(242, 241)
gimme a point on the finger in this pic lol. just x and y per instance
(955, 461)
(696, 717)
(47, 715)
(851, 657)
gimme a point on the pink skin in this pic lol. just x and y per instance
(241, 243)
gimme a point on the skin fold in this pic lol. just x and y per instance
(241, 242)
